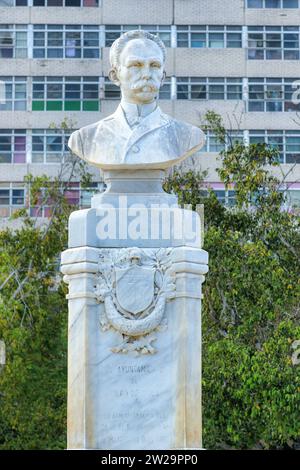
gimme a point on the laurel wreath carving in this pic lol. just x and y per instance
(137, 330)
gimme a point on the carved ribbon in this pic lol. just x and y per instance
(130, 327)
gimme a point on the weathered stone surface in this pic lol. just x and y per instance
(144, 393)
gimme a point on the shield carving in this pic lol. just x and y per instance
(135, 288)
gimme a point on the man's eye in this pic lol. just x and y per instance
(155, 65)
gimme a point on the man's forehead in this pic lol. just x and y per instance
(145, 48)
(132, 58)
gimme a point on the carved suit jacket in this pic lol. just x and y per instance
(159, 141)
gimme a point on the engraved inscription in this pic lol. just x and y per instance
(146, 369)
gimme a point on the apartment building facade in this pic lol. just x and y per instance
(240, 58)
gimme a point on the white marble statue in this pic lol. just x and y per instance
(135, 270)
(138, 135)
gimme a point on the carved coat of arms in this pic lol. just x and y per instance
(135, 288)
(135, 285)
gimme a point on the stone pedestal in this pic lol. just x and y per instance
(134, 363)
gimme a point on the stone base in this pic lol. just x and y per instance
(134, 211)
(141, 393)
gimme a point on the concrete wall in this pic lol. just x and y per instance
(16, 173)
(34, 67)
(233, 113)
(137, 12)
(209, 12)
(272, 17)
(180, 62)
(51, 15)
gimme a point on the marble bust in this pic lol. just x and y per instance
(138, 135)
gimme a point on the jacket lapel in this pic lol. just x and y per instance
(149, 124)
(118, 125)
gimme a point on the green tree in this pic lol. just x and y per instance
(251, 314)
(33, 317)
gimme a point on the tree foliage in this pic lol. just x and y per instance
(251, 314)
(33, 319)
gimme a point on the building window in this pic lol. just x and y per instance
(230, 198)
(65, 94)
(273, 42)
(113, 32)
(165, 90)
(65, 3)
(213, 144)
(221, 195)
(193, 88)
(13, 41)
(74, 195)
(209, 36)
(112, 91)
(49, 146)
(12, 198)
(255, 4)
(225, 196)
(12, 146)
(292, 200)
(15, 94)
(292, 147)
(66, 42)
(273, 139)
(287, 142)
(272, 3)
(13, 3)
(49, 3)
(87, 193)
(272, 94)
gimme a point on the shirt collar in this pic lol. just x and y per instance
(135, 113)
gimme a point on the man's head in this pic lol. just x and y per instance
(137, 59)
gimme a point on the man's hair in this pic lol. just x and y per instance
(118, 45)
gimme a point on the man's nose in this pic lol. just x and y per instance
(146, 71)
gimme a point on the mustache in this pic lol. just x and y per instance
(140, 84)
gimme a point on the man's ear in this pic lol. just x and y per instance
(163, 78)
(112, 75)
